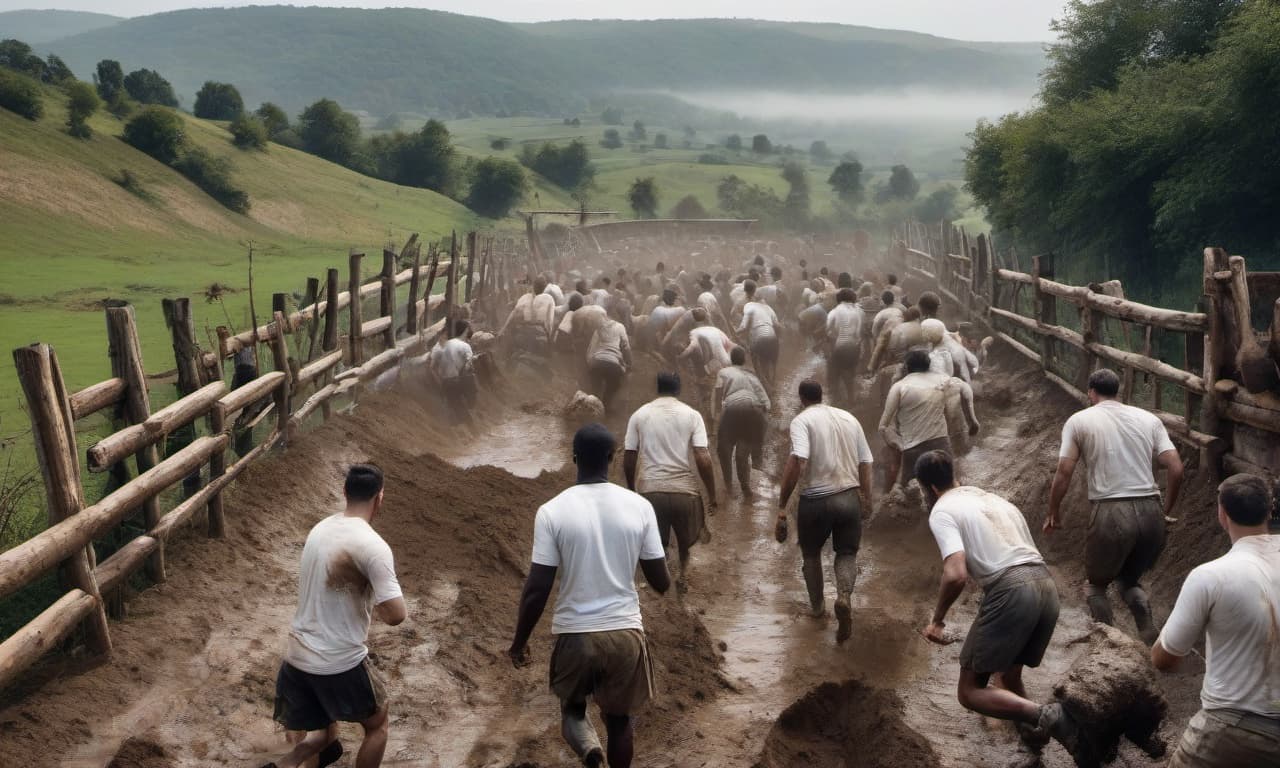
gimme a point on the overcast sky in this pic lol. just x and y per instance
(963, 19)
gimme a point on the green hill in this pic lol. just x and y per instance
(411, 60)
(39, 27)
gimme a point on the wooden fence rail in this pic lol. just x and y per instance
(318, 374)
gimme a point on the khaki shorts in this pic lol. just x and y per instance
(1228, 738)
(1015, 622)
(611, 667)
(680, 513)
(1124, 540)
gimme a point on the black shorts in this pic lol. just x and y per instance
(837, 516)
(1015, 622)
(307, 702)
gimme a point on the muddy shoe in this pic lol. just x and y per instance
(594, 758)
(844, 620)
(330, 754)
(1059, 724)
(1034, 737)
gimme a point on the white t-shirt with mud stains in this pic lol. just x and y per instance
(990, 531)
(664, 432)
(596, 534)
(759, 319)
(346, 570)
(1234, 603)
(1118, 444)
(844, 325)
(833, 444)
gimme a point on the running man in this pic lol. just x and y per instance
(762, 327)
(742, 408)
(347, 575)
(608, 360)
(451, 361)
(1126, 530)
(666, 445)
(830, 461)
(594, 534)
(844, 332)
(532, 322)
(914, 421)
(982, 536)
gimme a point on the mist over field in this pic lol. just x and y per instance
(876, 107)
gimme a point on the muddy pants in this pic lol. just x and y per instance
(612, 667)
(911, 455)
(680, 513)
(764, 356)
(1124, 540)
(1226, 738)
(1015, 622)
(741, 430)
(842, 373)
(606, 379)
(836, 516)
(460, 394)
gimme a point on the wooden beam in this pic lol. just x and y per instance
(95, 397)
(330, 342)
(387, 298)
(354, 337)
(238, 399)
(132, 439)
(280, 361)
(44, 633)
(411, 317)
(177, 516)
(314, 370)
(113, 571)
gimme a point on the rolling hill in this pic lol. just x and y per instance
(38, 27)
(412, 60)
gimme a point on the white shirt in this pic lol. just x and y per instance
(990, 531)
(707, 300)
(664, 433)
(1233, 601)
(940, 360)
(712, 346)
(608, 343)
(535, 310)
(1117, 443)
(599, 297)
(663, 317)
(346, 570)
(738, 387)
(833, 444)
(583, 322)
(844, 325)
(555, 293)
(596, 533)
(760, 319)
(916, 408)
(450, 359)
(887, 316)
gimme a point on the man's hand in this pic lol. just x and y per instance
(780, 530)
(519, 656)
(1050, 524)
(973, 428)
(935, 633)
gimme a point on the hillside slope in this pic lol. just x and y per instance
(419, 60)
(39, 27)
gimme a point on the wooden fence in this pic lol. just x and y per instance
(321, 367)
(1208, 375)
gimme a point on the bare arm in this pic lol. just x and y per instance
(702, 457)
(1162, 660)
(656, 574)
(510, 317)
(889, 419)
(954, 575)
(791, 474)
(1172, 464)
(864, 486)
(629, 460)
(966, 405)
(391, 612)
(533, 601)
(1061, 481)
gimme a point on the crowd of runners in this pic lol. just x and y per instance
(715, 335)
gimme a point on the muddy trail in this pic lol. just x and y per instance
(746, 677)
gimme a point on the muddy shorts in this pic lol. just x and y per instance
(844, 359)
(1228, 738)
(1124, 540)
(765, 350)
(1015, 622)
(611, 667)
(837, 516)
(911, 455)
(531, 339)
(680, 513)
(460, 391)
(307, 702)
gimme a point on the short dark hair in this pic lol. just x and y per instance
(911, 313)
(1105, 382)
(575, 301)
(753, 274)
(758, 260)
(892, 278)
(888, 298)
(810, 391)
(917, 361)
(661, 267)
(1246, 499)
(928, 303)
(669, 383)
(364, 481)
(593, 446)
(844, 280)
(934, 469)
(846, 295)
(460, 328)
(749, 287)
(824, 271)
(775, 273)
(539, 284)
(581, 287)
(738, 356)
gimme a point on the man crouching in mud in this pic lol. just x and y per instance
(596, 531)
(346, 570)
(982, 535)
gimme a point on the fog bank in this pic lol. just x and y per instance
(883, 107)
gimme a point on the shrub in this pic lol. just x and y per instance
(82, 102)
(498, 145)
(218, 101)
(146, 86)
(612, 139)
(643, 197)
(158, 132)
(273, 118)
(689, 207)
(713, 159)
(328, 131)
(109, 78)
(660, 141)
(248, 132)
(497, 184)
(213, 175)
(21, 95)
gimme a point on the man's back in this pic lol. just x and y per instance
(608, 343)
(1118, 444)
(713, 344)
(833, 443)
(991, 531)
(741, 387)
(916, 408)
(758, 318)
(596, 533)
(450, 358)
(844, 325)
(664, 432)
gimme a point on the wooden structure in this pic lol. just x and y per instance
(303, 381)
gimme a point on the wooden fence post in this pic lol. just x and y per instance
(311, 299)
(1046, 306)
(1215, 359)
(330, 342)
(355, 323)
(53, 430)
(411, 309)
(450, 284)
(471, 265)
(387, 296)
(280, 361)
(126, 363)
(177, 315)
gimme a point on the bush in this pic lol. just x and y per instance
(499, 145)
(273, 119)
(249, 132)
(689, 207)
(713, 159)
(213, 175)
(218, 101)
(329, 132)
(497, 184)
(643, 197)
(612, 116)
(158, 132)
(612, 139)
(568, 167)
(109, 79)
(761, 145)
(21, 95)
(82, 102)
(660, 141)
(733, 143)
(146, 86)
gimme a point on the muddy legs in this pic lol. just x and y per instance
(812, 569)
(577, 730)
(1099, 605)
(1136, 598)
(846, 575)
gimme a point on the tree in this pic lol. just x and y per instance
(846, 181)
(158, 132)
(248, 132)
(273, 119)
(218, 101)
(643, 197)
(612, 116)
(500, 144)
(17, 55)
(20, 95)
(902, 185)
(329, 132)
(796, 206)
(752, 201)
(497, 185)
(820, 152)
(568, 167)
(82, 102)
(612, 139)
(56, 71)
(213, 175)
(733, 143)
(941, 204)
(146, 86)
(110, 80)
(689, 207)
(761, 145)
(638, 132)
(660, 141)
(422, 159)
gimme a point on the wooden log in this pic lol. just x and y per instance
(95, 397)
(471, 265)
(238, 399)
(23, 563)
(1234, 466)
(126, 363)
(415, 285)
(355, 320)
(1067, 387)
(279, 303)
(281, 362)
(132, 439)
(1091, 325)
(1274, 347)
(186, 354)
(311, 317)
(317, 399)
(1258, 371)
(180, 514)
(1046, 305)
(330, 342)
(44, 633)
(1184, 379)
(1019, 347)
(215, 511)
(1010, 276)
(450, 286)
(387, 297)
(314, 370)
(113, 571)
(376, 327)
(53, 432)
(1261, 418)
(434, 253)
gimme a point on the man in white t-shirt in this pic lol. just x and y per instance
(666, 454)
(1117, 443)
(662, 319)
(451, 362)
(844, 333)
(914, 420)
(608, 360)
(594, 534)
(347, 575)
(705, 356)
(741, 406)
(1234, 603)
(761, 325)
(830, 462)
(532, 322)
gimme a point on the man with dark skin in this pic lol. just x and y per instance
(596, 532)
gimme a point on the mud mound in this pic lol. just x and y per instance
(1111, 691)
(139, 753)
(845, 725)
